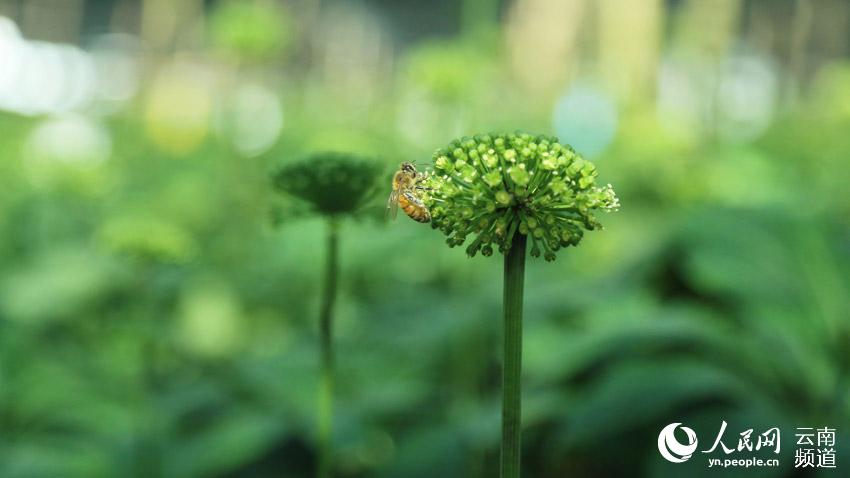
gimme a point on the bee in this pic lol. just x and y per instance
(405, 193)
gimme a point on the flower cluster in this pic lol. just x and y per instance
(493, 186)
(332, 183)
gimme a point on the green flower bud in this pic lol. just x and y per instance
(499, 143)
(574, 169)
(484, 140)
(558, 187)
(442, 163)
(549, 163)
(467, 172)
(503, 198)
(519, 175)
(523, 228)
(493, 179)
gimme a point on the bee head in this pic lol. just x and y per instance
(408, 167)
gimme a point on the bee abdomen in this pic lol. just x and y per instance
(414, 208)
(420, 215)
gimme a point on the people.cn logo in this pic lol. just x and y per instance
(670, 447)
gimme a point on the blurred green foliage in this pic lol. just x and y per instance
(156, 321)
(254, 30)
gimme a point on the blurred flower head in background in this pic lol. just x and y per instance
(331, 183)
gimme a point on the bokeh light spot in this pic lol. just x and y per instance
(586, 118)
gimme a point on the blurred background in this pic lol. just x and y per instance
(158, 304)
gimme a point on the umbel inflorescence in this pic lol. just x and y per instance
(331, 183)
(493, 186)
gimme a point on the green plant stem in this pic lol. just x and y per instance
(512, 360)
(326, 384)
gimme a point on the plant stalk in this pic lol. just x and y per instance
(326, 380)
(512, 360)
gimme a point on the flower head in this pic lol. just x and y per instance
(331, 183)
(493, 186)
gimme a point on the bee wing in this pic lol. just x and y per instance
(392, 205)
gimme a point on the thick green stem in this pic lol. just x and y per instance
(326, 383)
(512, 360)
